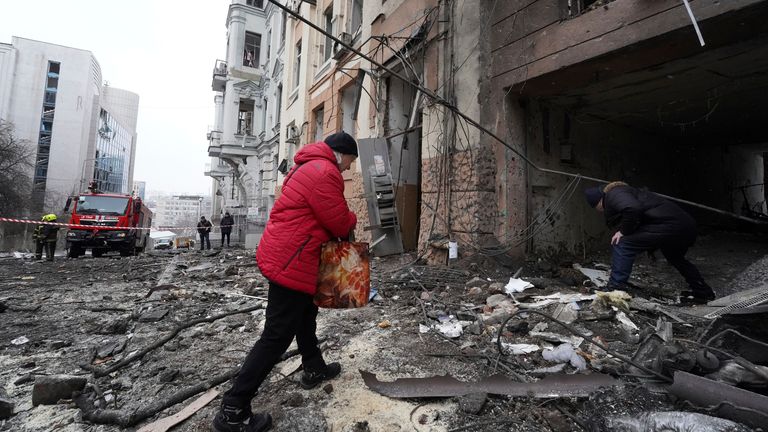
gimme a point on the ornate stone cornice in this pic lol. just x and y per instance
(248, 89)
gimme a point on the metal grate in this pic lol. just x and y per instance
(756, 300)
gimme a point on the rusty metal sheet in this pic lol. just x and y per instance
(447, 386)
(728, 401)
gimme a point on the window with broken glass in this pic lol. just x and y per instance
(297, 65)
(328, 27)
(245, 117)
(319, 114)
(356, 21)
(252, 49)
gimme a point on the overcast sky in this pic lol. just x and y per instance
(163, 50)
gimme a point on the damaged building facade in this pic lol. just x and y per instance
(407, 142)
(617, 90)
(625, 90)
(78, 128)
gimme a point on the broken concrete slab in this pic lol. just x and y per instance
(24, 379)
(50, 389)
(110, 348)
(598, 277)
(6, 406)
(448, 386)
(472, 403)
(154, 315)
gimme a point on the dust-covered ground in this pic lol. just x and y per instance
(82, 316)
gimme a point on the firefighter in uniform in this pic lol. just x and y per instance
(45, 238)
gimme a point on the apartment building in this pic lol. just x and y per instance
(174, 212)
(477, 123)
(401, 134)
(243, 143)
(80, 130)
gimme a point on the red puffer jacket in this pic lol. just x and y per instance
(310, 211)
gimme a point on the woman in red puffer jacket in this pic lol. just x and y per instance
(310, 211)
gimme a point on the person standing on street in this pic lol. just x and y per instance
(204, 229)
(45, 238)
(645, 221)
(310, 211)
(226, 227)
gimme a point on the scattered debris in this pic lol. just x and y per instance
(385, 324)
(517, 286)
(617, 298)
(21, 340)
(565, 353)
(451, 329)
(599, 278)
(518, 349)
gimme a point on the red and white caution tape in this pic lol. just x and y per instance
(97, 227)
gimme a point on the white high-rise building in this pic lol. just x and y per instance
(78, 129)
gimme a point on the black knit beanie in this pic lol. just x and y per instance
(594, 195)
(342, 142)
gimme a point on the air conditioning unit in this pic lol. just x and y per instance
(340, 50)
(293, 132)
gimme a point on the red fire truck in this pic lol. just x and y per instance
(114, 218)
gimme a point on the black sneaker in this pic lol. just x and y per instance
(311, 379)
(232, 419)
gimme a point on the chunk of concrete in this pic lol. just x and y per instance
(153, 315)
(50, 389)
(473, 402)
(6, 407)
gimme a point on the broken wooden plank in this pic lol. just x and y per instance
(166, 423)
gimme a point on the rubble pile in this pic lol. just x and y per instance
(121, 343)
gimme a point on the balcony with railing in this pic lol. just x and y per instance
(243, 146)
(219, 76)
(220, 170)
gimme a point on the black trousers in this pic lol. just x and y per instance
(204, 238)
(49, 246)
(289, 313)
(223, 234)
(673, 247)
